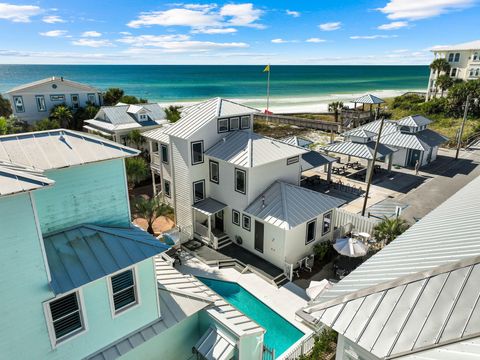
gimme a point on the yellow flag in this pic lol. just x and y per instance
(267, 68)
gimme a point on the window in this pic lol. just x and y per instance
(240, 181)
(75, 101)
(154, 146)
(310, 236)
(453, 73)
(222, 125)
(245, 122)
(198, 191)
(41, 106)
(124, 292)
(327, 223)
(143, 117)
(166, 188)
(292, 160)
(472, 71)
(475, 56)
(457, 57)
(246, 224)
(236, 217)
(234, 123)
(91, 98)
(164, 153)
(65, 316)
(18, 103)
(450, 57)
(214, 176)
(477, 72)
(57, 98)
(197, 152)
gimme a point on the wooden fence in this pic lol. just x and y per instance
(328, 126)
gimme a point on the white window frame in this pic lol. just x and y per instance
(235, 180)
(451, 56)
(57, 97)
(143, 117)
(236, 212)
(219, 126)
(213, 162)
(15, 104)
(307, 240)
(201, 152)
(249, 227)
(231, 120)
(169, 195)
(89, 98)
(41, 97)
(330, 216)
(48, 318)
(242, 119)
(193, 189)
(75, 104)
(163, 146)
(128, 307)
(457, 57)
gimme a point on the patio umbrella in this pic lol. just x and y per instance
(350, 247)
(317, 287)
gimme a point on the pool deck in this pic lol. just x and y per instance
(284, 300)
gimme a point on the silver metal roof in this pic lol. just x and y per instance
(359, 150)
(55, 149)
(52, 80)
(314, 159)
(16, 178)
(158, 134)
(414, 121)
(82, 254)
(286, 205)
(368, 99)
(361, 133)
(402, 140)
(247, 149)
(409, 315)
(374, 127)
(196, 116)
(125, 114)
(215, 345)
(447, 234)
(472, 45)
(296, 141)
(209, 206)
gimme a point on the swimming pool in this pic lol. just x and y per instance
(280, 333)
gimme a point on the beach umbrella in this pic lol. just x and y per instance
(317, 287)
(350, 247)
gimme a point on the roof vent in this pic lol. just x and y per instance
(224, 139)
(263, 201)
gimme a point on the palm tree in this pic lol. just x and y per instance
(63, 115)
(172, 113)
(335, 107)
(438, 66)
(444, 82)
(150, 209)
(389, 229)
(112, 96)
(5, 108)
(137, 170)
(135, 137)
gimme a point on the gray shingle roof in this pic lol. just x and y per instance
(368, 99)
(247, 149)
(85, 253)
(414, 121)
(16, 178)
(408, 315)
(196, 116)
(287, 205)
(359, 150)
(55, 149)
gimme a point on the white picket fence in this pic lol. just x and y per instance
(303, 347)
(359, 223)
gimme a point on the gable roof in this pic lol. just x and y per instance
(124, 116)
(16, 178)
(414, 121)
(361, 133)
(247, 149)
(286, 205)
(85, 253)
(374, 127)
(53, 79)
(55, 149)
(472, 45)
(359, 150)
(411, 314)
(158, 134)
(296, 141)
(368, 99)
(196, 116)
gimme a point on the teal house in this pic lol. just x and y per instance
(79, 281)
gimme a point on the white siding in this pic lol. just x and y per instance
(183, 186)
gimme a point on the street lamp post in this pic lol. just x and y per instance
(460, 134)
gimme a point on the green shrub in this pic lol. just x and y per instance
(325, 345)
(408, 102)
(434, 106)
(321, 250)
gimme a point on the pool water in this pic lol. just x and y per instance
(280, 334)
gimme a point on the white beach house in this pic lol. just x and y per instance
(227, 183)
(117, 121)
(33, 101)
(418, 298)
(464, 60)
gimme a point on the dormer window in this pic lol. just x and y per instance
(405, 129)
(143, 117)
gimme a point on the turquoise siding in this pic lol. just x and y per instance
(23, 334)
(93, 193)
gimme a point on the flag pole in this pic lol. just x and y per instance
(268, 88)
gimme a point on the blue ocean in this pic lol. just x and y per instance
(289, 86)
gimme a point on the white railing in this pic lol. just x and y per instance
(155, 159)
(302, 347)
(203, 232)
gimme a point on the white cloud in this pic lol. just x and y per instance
(293, 13)
(125, 33)
(54, 33)
(415, 10)
(95, 43)
(372, 37)
(91, 34)
(279, 41)
(330, 26)
(214, 31)
(201, 18)
(18, 13)
(152, 40)
(393, 25)
(315, 40)
(53, 19)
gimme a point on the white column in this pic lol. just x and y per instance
(210, 228)
(153, 182)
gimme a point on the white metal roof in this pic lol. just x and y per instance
(296, 141)
(447, 234)
(196, 116)
(359, 150)
(472, 45)
(374, 127)
(361, 133)
(158, 134)
(414, 121)
(54, 149)
(215, 345)
(53, 79)
(286, 205)
(368, 99)
(247, 149)
(314, 159)
(16, 178)
(421, 311)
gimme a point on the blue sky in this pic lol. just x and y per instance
(257, 32)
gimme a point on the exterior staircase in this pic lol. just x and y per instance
(281, 280)
(224, 241)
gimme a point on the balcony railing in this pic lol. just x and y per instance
(155, 159)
